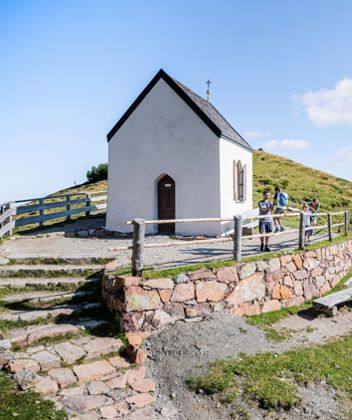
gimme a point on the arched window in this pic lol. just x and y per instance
(239, 181)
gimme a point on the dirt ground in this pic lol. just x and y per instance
(183, 350)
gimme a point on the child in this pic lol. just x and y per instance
(265, 224)
(306, 222)
(314, 206)
(280, 201)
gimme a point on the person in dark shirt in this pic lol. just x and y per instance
(265, 223)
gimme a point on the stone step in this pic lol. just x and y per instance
(32, 334)
(41, 270)
(44, 296)
(42, 282)
(67, 353)
(52, 312)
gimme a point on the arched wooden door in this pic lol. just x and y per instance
(166, 204)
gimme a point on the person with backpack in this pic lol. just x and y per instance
(281, 202)
(307, 223)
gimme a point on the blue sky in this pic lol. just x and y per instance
(281, 74)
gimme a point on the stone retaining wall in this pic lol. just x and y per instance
(249, 288)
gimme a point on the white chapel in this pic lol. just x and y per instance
(172, 155)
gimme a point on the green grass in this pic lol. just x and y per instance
(299, 181)
(24, 405)
(271, 379)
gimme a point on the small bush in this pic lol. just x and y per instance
(98, 173)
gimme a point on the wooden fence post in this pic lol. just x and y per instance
(347, 222)
(302, 231)
(330, 226)
(138, 247)
(1, 212)
(41, 212)
(68, 207)
(9, 220)
(237, 239)
(88, 203)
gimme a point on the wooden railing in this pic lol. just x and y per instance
(239, 221)
(37, 211)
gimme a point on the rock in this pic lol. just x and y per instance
(143, 385)
(83, 403)
(227, 275)
(26, 378)
(5, 345)
(270, 306)
(108, 412)
(119, 382)
(47, 360)
(46, 386)
(68, 352)
(101, 346)
(140, 400)
(285, 259)
(309, 290)
(119, 362)
(300, 274)
(247, 309)
(16, 365)
(112, 284)
(246, 270)
(51, 331)
(161, 318)
(274, 264)
(35, 349)
(121, 409)
(135, 374)
(291, 267)
(4, 261)
(202, 274)
(320, 281)
(298, 261)
(165, 295)
(251, 288)
(262, 265)
(285, 292)
(295, 301)
(311, 263)
(63, 376)
(77, 390)
(132, 321)
(210, 291)
(100, 369)
(200, 309)
(97, 387)
(298, 288)
(175, 310)
(137, 299)
(136, 354)
(183, 292)
(318, 271)
(159, 283)
(181, 278)
(288, 281)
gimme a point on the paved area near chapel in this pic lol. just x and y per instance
(52, 243)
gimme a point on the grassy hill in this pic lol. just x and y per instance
(299, 181)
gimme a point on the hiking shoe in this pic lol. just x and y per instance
(277, 229)
(282, 228)
(262, 247)
(267, 249)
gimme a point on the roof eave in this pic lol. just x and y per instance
(245, 146)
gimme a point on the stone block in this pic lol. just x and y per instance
(271, 306)
(183, 292)
(16, 365)
(300, 274)
(119, 362)
(135, 354)
(252, 288)
(143, 385)
(298, 288)
(26, 378)
(309, 290)
(288, 281)
(175, 310)
(285, 292)
(276, 294)
(298, 261)
(101, 346)
(132, 321)
(68, 352)
(46, 386)
(291, 267)
(285, 259)
(294, 301)
(100, 369)
(47, 360)
(140, 400)
(119, 382)
(199, 309)
(247, 309)
(246, 270)
(210, 291)
(227, 275)
(63, 376)
(274, 264)
(159, 283)
(202, 274)
(137, 299)
(165, 295)
(83, 403)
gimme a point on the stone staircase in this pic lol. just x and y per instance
(60, 341)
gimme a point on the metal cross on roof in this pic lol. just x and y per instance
(208, 82)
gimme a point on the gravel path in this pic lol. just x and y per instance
(51, 242)
(184, 349)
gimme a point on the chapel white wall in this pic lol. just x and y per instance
(164, 136)
(229, 152)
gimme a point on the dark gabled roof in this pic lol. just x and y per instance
(204, 109)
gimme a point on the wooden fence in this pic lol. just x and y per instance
(138, 243)
(37, 211)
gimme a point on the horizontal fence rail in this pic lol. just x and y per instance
(61, 206)
(240, 222)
